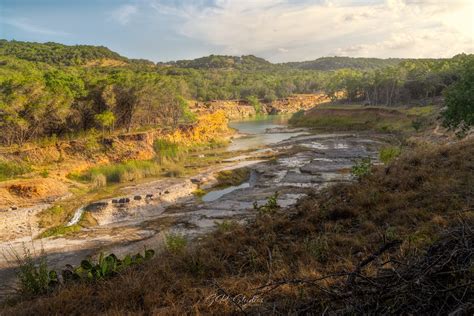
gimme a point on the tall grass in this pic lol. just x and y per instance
(387, 154)
(11, 169)
(166, 150)
(122, 172)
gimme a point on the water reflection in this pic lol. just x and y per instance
(258, 134)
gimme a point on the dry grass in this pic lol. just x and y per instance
(413, 200)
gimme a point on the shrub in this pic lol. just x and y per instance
(387, 154)
(362, 168)
(34, 278)
(105, 267)
(44, 173)
(270, 207)
(199, 192)
(225, 225)
(175, 243)
(98, 180)
(12, 169)
(417, 124)
(317, 247)
(253, 100)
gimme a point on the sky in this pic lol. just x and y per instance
(277, 30)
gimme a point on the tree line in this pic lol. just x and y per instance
(50, 89)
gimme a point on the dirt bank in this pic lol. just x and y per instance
(239, 109)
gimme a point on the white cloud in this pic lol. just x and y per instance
(124, 13)
(27, 26)
(306, 30)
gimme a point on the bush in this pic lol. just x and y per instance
(387, 154)
(459, 99)
(199, 192)
(317, 247)
(225, 225)
(98, 180)
(270, 207)
(44, 173)
(12, 169)
(362, 168)
(34, 278)
(175, 243)
(253, 100)
(105, 267)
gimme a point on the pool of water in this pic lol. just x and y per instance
(257, 132)
(214, 195)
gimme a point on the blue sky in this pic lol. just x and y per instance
(278, 30)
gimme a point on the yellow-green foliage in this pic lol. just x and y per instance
(175, 243)
(168, 150)
(232, 177)
(60, 230)
(354, 118)
(11, 169)
(51, 216)
(199, 192)
(421, 110)
(122, 172)
(387, 154)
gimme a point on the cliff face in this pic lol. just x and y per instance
(238, 109)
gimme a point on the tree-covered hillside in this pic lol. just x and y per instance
(49, 90)
(249, 62)
(57, 54)
(335, 63)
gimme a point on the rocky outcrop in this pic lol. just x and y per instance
(295, 103)
(239, 109)
(233, 109)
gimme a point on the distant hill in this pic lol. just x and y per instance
(334, 63)
(89, 55)
(59, 54)
(248, 62)
(251, 62)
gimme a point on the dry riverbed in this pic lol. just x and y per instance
(145, 213)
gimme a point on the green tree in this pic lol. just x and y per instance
(459, 98)
(105, 119)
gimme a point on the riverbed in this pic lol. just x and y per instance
(290, 161)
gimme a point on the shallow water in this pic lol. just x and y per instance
(256, 130)
(214, 195)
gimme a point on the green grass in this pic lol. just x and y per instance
(381, 119)
(121, 172)
(232, 177)
(199, 193)
(60, 230)
(387, 154)
(175, 243)
(421, 110)
(11, 169)
(165, 149)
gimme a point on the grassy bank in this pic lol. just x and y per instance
(327, 254)
(12, 169)
(357, 117)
